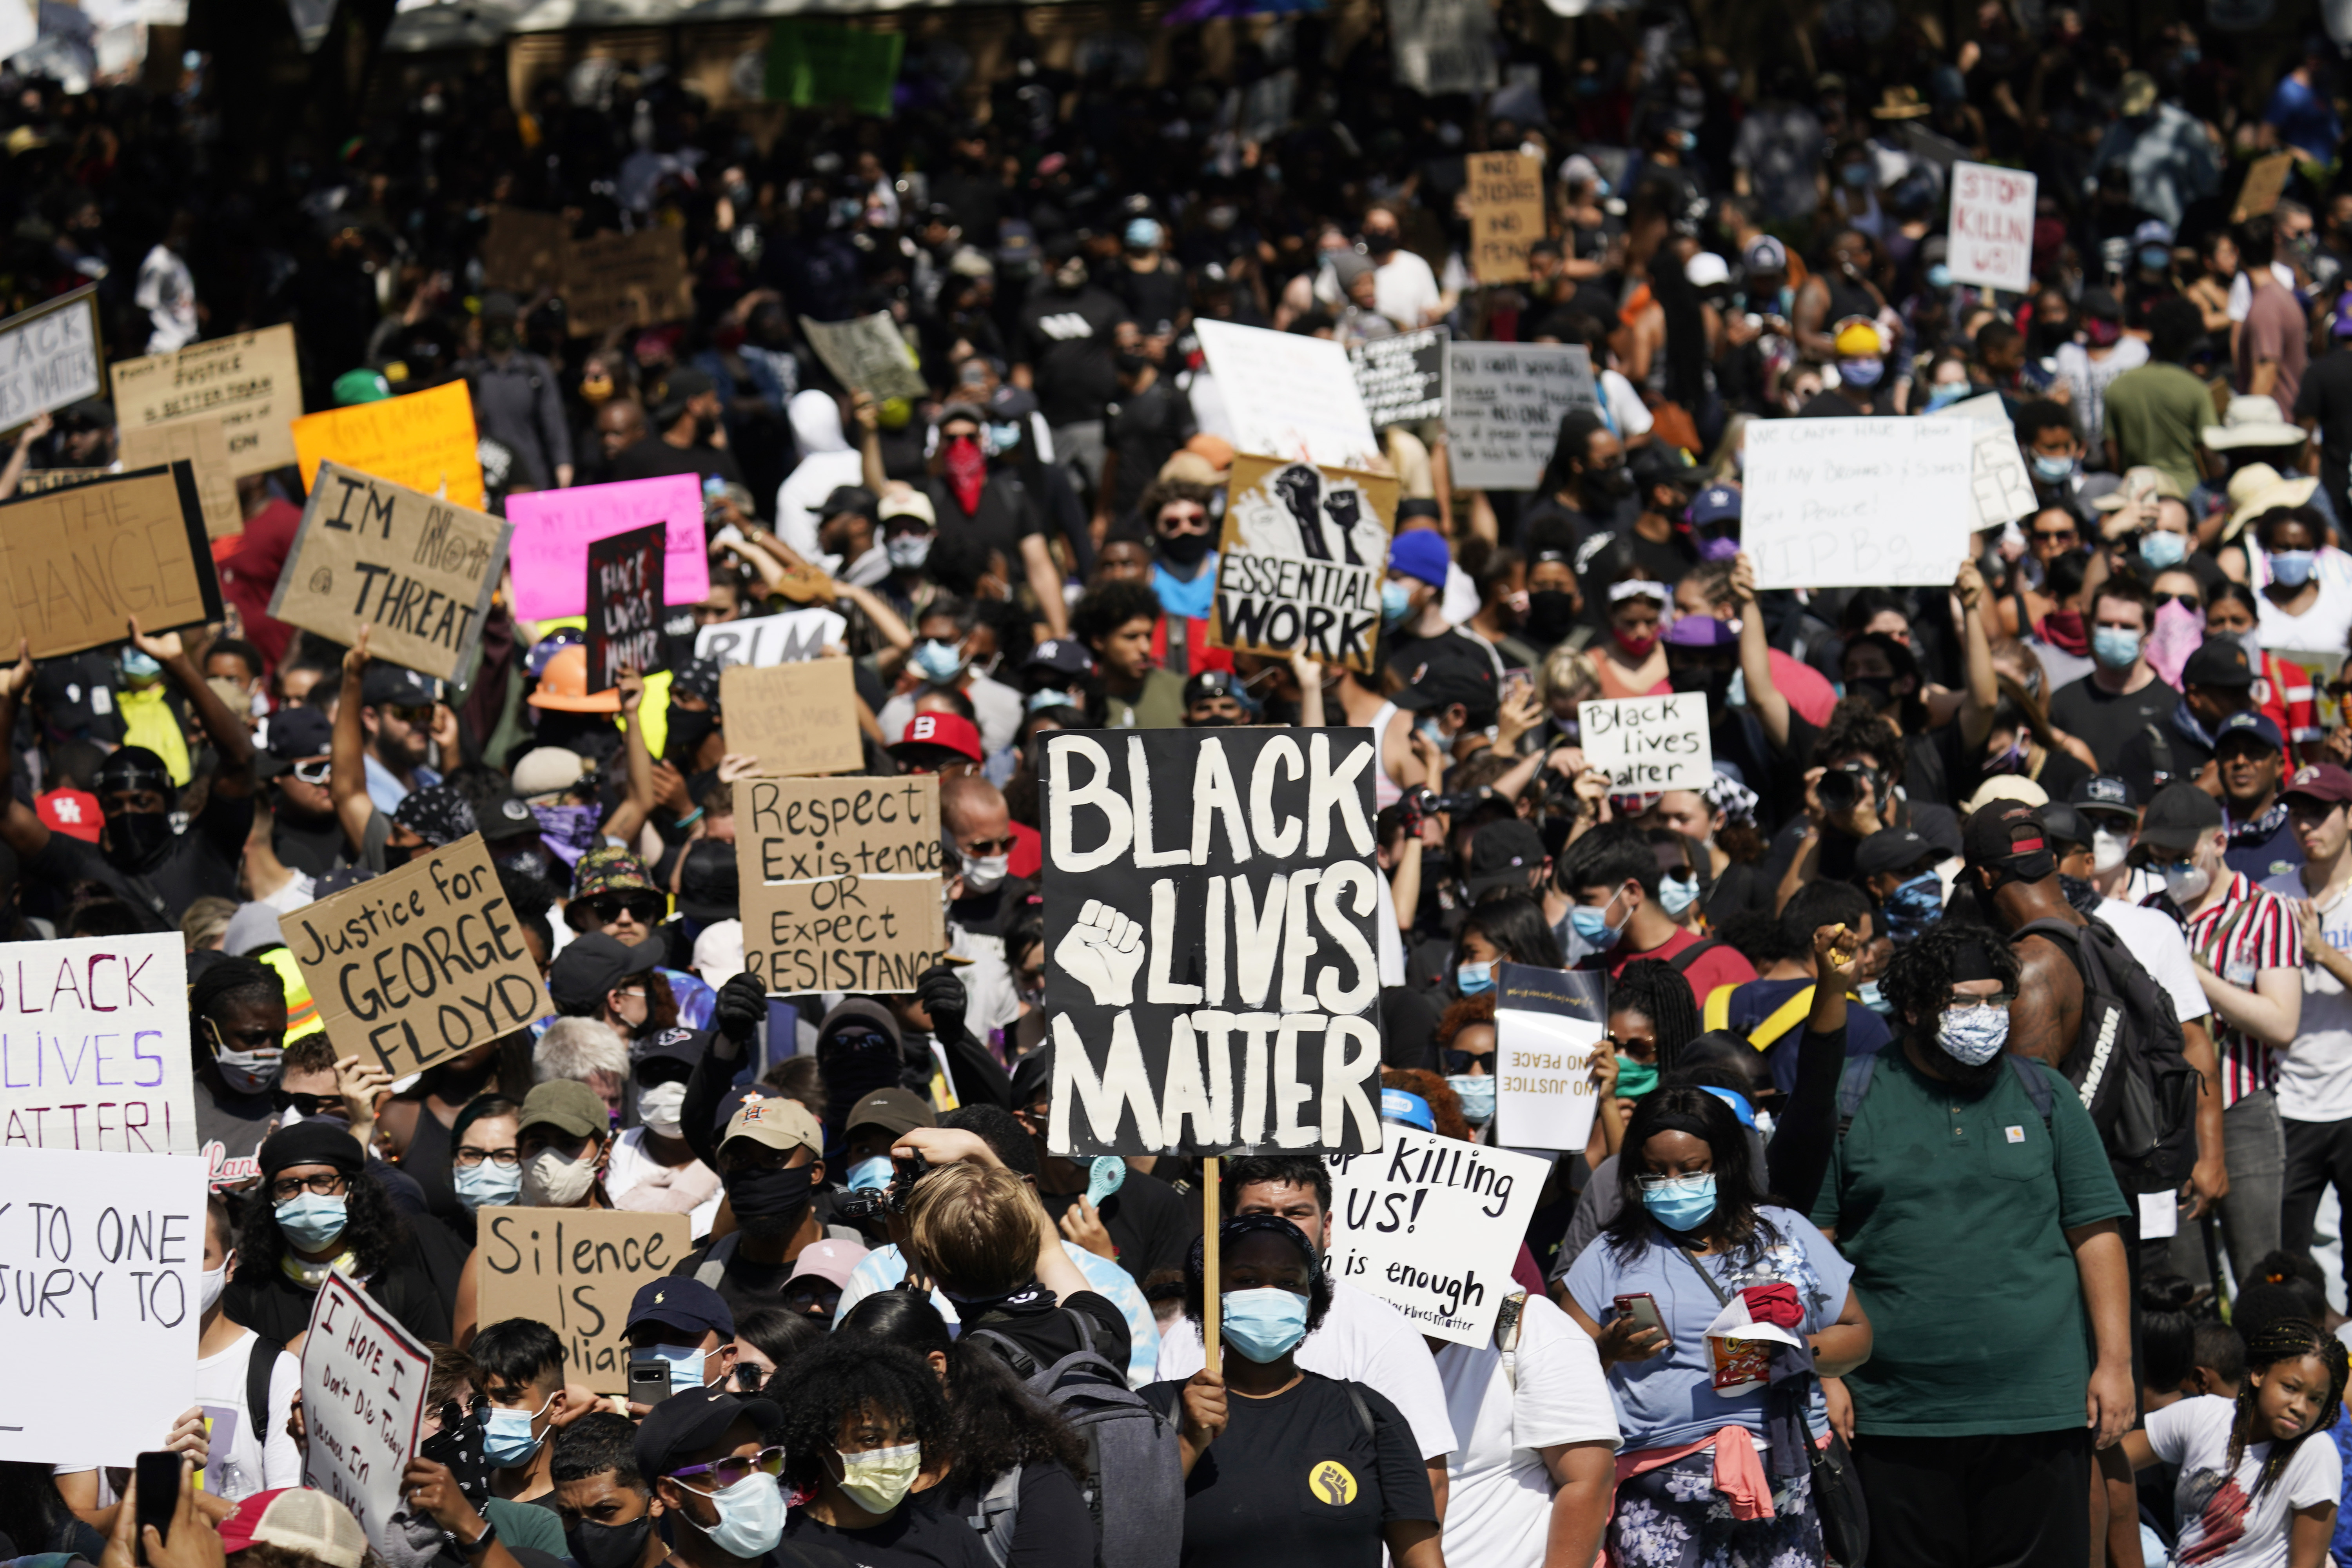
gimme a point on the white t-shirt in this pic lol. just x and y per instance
(1499, 1494)
(637, 1182)
(2316, 1074)
(2162, 949)
(2324, 625)
(1628, 415)
(1363, 1339)
(258, 1461)
(2222, 1523)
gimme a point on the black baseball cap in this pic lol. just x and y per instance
(848, 498)
(1211, 683)
(1062, 656)
(1443, 677)
(504, 817)
(1892, 849)
(895, 1111)
(2066, 825)
(2217, 661)
(2177, 817)
(2105, 792)
(396, 686)
(296, 734)
(2010, 840)
(591, 964)
(1502, 854)
(692, 1420)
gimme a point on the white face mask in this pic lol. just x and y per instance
(985, 873)
(213, 1282)
(659, 1108)
(2108, 849)
(551, 1181)
(2185, 881)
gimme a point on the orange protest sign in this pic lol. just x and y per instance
(425, 440)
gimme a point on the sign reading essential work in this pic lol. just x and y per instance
(99, 1302)
(1548, 1023)
(552, 528)
(202, 442)
(1857, 503)
(364, 1383)
(624, 607)
(840, 881)
(797, 719)
(425, 440)
(575, 1270)
(866, 355)
(420, 964)
(1992, 226)
(77, 564)
(419, 571)
(1210, 910)
(792, 638)
(94, 1045)
(1300, 561)
(1647, 744)
(1504, 191)
(1504, 402)
(50, 358)
(252, 381)
(1289, 397)
(1432, 1225)
(1402, 378)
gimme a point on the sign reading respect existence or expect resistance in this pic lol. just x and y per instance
(1210, 911)
(94, 1045)
(576, 1271)
(1432, 1225)
(1300, 561)
(841, 882)
(364, 1383)
(420, 964)
(1858, 503)
(1647, 744)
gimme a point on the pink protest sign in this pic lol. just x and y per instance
(552, 528)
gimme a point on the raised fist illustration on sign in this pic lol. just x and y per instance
(1103, 950)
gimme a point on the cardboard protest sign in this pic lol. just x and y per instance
(1504, 402)
(801, 830)
(1432, 1225)
(202, 442)
(1854, 503)
(1647, 744)
(50, 358)
(797, 719)
(1402, 378)
(1505, 194)
(2265, 181)
(811, 63)
(418, 965)
(1301, 559)
(425, 440)
(2003, 489)
(1288, 396)
(764, 640)
(363, 1382)
(94, 1045)
(638, 279)
(77, 563)
(99, 1302)
(1444, 45)
(419, 571)
(1548, 1024)
(866, 355)
(523, 251)
(1211, 912)
(575, 1270)
(1992, 226)
(252, 381)
(552, 528)
(624, 599)
(844, 934)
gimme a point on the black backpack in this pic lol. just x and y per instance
(2127, 1062)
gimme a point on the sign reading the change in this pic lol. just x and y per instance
(797, 719)
(625, 602)
(418, 571)
(77, 564)
(1432, 1225)
(1548, 1024)
(251, 381)
(575, 1270)
(94, 1045)
(418, 965)
(425, 440)
(1647, 744)
(50, 358)
(1211, 933)
(1301, 559)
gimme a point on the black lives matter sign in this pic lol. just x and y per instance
(624, 606)
(1211, 927)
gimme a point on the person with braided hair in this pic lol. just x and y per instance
(2252, 1492)
(1651, 1017)
(236, 1026)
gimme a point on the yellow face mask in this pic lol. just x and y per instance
(595, 388)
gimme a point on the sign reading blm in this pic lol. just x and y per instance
(1300, 563)
(1211, 911)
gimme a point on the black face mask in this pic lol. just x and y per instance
(135, 840)
(1715, 683)
(1381, 244)
(1184, 549)
(688, 731)
(1878, 688)
(768, 1196)
(1613, 483)
(1551, 616)
(597, 1545)
(2081, 894)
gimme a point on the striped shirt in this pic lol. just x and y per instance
(2242, 933)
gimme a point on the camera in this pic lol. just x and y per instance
(872, 1205)
(1427, 802)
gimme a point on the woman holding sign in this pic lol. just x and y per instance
(1715, 1318)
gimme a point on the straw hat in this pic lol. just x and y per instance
(2254, 420)
(2257, 489)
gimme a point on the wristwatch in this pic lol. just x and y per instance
(481, 1542)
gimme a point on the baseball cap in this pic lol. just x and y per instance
(778, 1123)
(1502, 854)
(1892, 849)
(1765, 254)
(2066, 824)
(2323, 782)
(1717, 504)
(2100, 302)
(609, 868)
(830, 1261)
(360, 386)
(951, 730)
(504, 817)
(1016, 240)
(2152, 231)
(1421, 555)
(72, 812)
(2006, 786)
(2250, 724)
(1399, 1105)
(895, 1111)
(547, 770)
(2105, 792)
(692, 1420)
(681, 1302)
(1444, 678)
(593, 963)
(908, 503)
(1208, 683)
(1063, 656)
(303, 1520)
(396, 686)
(567, 1104)
(296, 734)
(2180, 815)
(2011, 839)
(2217, 661)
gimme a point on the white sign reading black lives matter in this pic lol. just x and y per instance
(1211, 926)
(1300, 561)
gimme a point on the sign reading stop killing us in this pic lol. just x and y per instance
(1210, 910)
(1432, 1225)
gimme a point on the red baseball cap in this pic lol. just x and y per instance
(71, 812)
(953, 730)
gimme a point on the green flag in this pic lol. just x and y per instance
(814, 63)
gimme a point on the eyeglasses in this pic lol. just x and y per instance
(2055, 536)
(734, 1468)
(982, 846)
(307, 1104)
(468, 1158)
(326, 1183)
(313, 772)
(646, 907)
(2186, 600)
(1960, 1004)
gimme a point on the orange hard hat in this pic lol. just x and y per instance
(564, 685)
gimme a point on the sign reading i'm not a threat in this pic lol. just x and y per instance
(1210, 911)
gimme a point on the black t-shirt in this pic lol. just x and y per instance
(1146, 430)
(277, 1308)
(204, 859)
(1152, 297)
(1051, 1526)
(1066, 341)
(653, 456)
(1004, 517)
(312, 848)
(1151, 1227)
(1664, 561)
(1302, 1480)
(2104, 720)
(919, 1535)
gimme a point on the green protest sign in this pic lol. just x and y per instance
(812, 63)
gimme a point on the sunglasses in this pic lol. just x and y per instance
(607, 906)
(412, 715)
(728, 1471)
(980, 848)
(315, 771)
(1189, 522)
(307, 1104)
(1459, 1062)
(2053, 537)
(2186, 601)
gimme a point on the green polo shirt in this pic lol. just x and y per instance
(1954, 1213)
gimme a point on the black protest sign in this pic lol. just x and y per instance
(1300, 561)
(1211, 926)
(1403, 377)
(624, 604)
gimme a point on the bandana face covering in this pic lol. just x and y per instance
(967, 471)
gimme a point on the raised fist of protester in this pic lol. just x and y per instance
(1969, 584)
(742, 1003)
(940, 990)
(1102, 952)
(1837, 952)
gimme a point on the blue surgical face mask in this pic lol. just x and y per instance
(1939, 276)
(487, 1186)
(1264, 1325)
(1471, 979)
(1857, 176)
(2291, 568)
(1973, 1035)
(2116, 648)
(2154, 258)
(937, 662)
(1592, 925)
(1396, 601)
(1944, 394)
(1871, 998)
(2160, 550)
(685, 1364)
(1681, 1202)
(870, 1174)
(1477, 1092)
(506, 1439)
(311, 1222)
(1434, 732)
(2054, 471)
(1861, 373)
(1677, 894)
